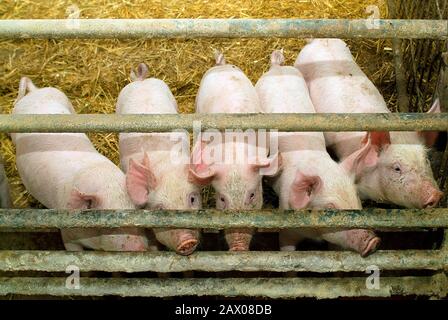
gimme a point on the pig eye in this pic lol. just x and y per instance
(397, 168)
(252, 196)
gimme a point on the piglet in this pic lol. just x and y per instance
(5, 198)
(310, 178)
(396, 168)
(231, 164)
(157, 164)
(64, 171)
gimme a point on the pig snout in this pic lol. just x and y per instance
(187, 243)
(431, 195)
(183, 241)
(363, 241)
(239, 239)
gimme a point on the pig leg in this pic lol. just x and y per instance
(288, 239)
(154, 247)
(120, 239)
(71, 246)
(183, 241)
(238, 239)
(362, 241)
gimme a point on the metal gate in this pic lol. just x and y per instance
(416, 85)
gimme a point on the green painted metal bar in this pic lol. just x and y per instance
(27, 230)
(217, 219)
(322, 288)
(4, 230)
(300, 261)
(168, 123)
(221, 28)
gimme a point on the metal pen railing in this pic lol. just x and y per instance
(309, 261)
(221, 28)
(169, 122)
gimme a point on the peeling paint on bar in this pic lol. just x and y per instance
(300, 261)
(167, 123)
(217, 219)
(220, 28)
(321, 288)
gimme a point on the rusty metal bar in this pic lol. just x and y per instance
(442, 87)
(221, 28)
(400, 74)
(400, 77)
(28, 230)
(321, 288)
(217, 219)
(214, 261)
(212, 231)
(442, 93)
(169, 122)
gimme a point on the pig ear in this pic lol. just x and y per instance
(81, 200)
(430, 137)
(368, 155)
(269, 167)
(139, 180)
(303, 189)
(379, 139)
(200, 172)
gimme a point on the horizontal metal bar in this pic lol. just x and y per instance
(170, 122)
(322, 288)
(4, 231)
(217, 219)
(222, 28)
(28, 230)
(214, 261)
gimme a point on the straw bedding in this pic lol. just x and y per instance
(92, 72)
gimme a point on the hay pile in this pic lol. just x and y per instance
(92, 72)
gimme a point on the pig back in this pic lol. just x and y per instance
(42, 101)
(47, 163)
(150, 96)
(338, 85)
(283, 90)
(226, 89)
(173, 147)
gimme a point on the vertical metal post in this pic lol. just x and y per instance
(400, 75)
(442, 94)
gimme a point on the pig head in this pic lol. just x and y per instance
(396, 169)
(237, 182)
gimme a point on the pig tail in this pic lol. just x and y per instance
(25, 83)
(142, 71)
(219, 58)
(277, 58)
